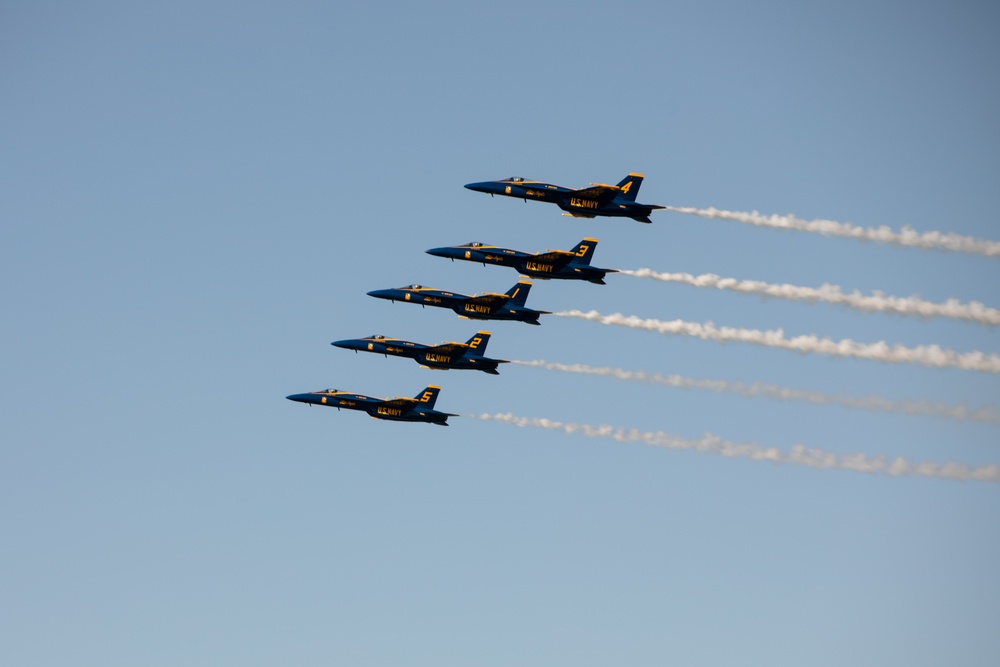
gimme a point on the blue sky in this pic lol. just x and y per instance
(197, 197)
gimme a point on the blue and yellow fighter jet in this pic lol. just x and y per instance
(468, 355)
(598, 199)
(418, 409)
(561, 264)
(486, 306)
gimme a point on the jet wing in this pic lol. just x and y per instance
(599, 191)
(448, 349)
(491, 301)
(400, 402)
(556, 257)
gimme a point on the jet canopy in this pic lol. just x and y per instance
(516, 179)
(377, 337)
(474, 244)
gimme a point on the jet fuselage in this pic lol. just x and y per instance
(419, 409)
(467, 356)
(597, 200)
(553, 265)
(507, 306)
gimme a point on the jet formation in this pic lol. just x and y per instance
(553, 264)
(468, 355)
(598, 199)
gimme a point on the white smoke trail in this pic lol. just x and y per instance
(874, 402)
(927, 355)
(798, 455)
(904, 237)
(973, 311)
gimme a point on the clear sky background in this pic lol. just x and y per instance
(196, 196)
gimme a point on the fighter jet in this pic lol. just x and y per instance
(418, 409)
(467, 355)
(561, 264)
(598, 199)
(486, 306)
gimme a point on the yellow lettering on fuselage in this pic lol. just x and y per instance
(390, 412)
(476, 308)
(538, 268)
(437, 358)
(582, 203)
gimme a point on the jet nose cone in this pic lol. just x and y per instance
(347, 344)
(483, 186)
(298, 398)
(440, 252)
(382, 293)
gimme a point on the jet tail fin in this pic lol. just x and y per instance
(477, 344)
(630, 186)
(429, 396)
(519, 293)
(584, 250)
